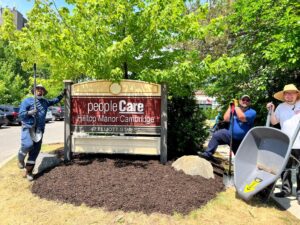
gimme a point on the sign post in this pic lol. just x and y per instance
(67, 125)
(164, 124)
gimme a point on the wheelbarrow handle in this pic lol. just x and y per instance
(232, 108)
(293, 139)
(268, 118)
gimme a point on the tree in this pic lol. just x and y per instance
(267, 32)
(263, 54)
(12, 78)
(134, 39)
(137, 39)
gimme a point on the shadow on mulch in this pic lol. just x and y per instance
(127, 183)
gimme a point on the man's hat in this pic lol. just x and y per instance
(288, 87)
(245, 96)
(39, 86)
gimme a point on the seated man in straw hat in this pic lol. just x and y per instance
(287, 114)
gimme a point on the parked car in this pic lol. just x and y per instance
(58, 112)
(12, 114)
(3, 119)
(48, 116)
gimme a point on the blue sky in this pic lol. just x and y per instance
(23, 6)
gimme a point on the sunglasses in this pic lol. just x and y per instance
(246, 100)
(290, 92)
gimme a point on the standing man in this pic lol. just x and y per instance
(287, 114)
(243, 121)
(33, 127)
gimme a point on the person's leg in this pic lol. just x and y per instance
(220, 137)
(286, 177)
(32, 156)
(298, 179)
(296, 153)
(26, 146)
(235, 145)
(298, 185)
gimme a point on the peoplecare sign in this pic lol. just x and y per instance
(116, 111)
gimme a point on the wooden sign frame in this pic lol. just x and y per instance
(129, 117)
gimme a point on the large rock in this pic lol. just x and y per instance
(45, 161)
(194, 165)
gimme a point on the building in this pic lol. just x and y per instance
(205, 101)
(19, 20)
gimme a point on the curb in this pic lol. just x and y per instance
(6, 161)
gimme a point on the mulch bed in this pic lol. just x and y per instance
(127, 184)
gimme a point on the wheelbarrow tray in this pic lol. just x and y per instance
(260, 159)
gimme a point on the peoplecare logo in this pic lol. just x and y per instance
(123, 107)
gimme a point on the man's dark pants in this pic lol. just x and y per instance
(221, 137)
(286, 175)
(28, 147)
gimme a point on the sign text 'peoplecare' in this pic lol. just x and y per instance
(123, 107)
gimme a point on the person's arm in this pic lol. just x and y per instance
(57, 99)
(226, 116)
(23, 110)
(26, 109)
(273, 119)
(240, 114)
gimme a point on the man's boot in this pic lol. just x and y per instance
(29, 169)
(21, 164)
(21, 159)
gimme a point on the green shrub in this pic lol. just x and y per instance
(210, 113)
(186, 126)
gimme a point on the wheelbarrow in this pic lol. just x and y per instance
(260, 159)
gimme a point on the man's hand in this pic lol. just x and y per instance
(270, 106)
(31, 112)
(234, 102)
(63, 92)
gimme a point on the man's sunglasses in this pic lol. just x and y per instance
(246, 100)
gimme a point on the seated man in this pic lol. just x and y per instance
(243, 121)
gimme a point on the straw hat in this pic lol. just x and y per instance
(39, 86)
(288, 87)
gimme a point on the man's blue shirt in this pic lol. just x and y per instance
(240, 128)
(42, 105)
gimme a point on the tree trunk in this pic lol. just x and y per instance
(125, 70)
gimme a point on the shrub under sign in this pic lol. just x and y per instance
(129, 117)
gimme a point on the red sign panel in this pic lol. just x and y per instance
(116, 111)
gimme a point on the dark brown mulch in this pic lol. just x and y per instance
(126, 184)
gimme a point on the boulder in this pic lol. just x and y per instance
(45, 161)
(194, 165)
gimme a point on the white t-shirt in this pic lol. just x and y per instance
(289, 117)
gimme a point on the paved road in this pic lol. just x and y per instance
(10, 138)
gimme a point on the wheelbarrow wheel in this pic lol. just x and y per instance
(265, 194)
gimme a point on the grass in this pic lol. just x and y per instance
(18, 206)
